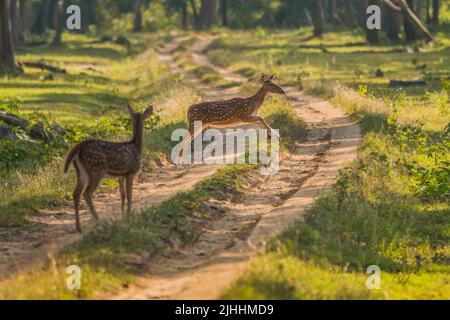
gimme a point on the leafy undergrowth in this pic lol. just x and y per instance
(112, 255)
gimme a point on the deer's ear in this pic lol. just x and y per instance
(148, 111)
(272, 77)
(130, 110)
(263, 77)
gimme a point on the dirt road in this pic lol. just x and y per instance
(267, 205)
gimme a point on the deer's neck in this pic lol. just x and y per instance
(138, 137)
(258, 99)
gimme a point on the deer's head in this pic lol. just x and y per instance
(270, 85)
(138, 118)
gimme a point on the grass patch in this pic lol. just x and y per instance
(371, 218)
(111, 255)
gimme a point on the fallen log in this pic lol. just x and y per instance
(6, 132)
(406, 83)
(12, 120)
(36, 131)
(42, 66)
(121, 40)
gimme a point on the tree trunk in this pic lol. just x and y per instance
(7, 59)
(208, 13)
(137, 24)
(350, 20)
(40, 26)
(414, 28)
(428, 12)
(22, 19)
(333, 17)
(407, 24)
(436, 7)
(57, 21)
(184, 16)
(224, 12)
(417, 30)
(318, 18)
(372, 36)
(15, 22)
(195, 13)
(391, 24)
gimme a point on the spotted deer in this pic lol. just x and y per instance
(229, 113)
(93, 159)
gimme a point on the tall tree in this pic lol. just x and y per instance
(224, 12)
(391, 24)
(42, 20)
(436, 9)
(57, 22)
(208, 11)
(417, 30)
(372, 35)
(184, 15)
(408, 24)
(137, 24)
(7, 58)
(319, 18)
(332, 11)
(16, 23)
(350, 19)
(428, 4)
(195, 13)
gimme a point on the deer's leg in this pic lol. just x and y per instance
(82, 181)
(187, 139)
(260, 120)
(89, 193)
(129, 189)
(190, 137)
(122, 194)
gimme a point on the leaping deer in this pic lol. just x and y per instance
(93, 159)
(229, 113)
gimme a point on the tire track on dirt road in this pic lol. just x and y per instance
(265, 207)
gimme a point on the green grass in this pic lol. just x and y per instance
(370, 218)
(107, 255)
(391, 207)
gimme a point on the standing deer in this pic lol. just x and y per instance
(93, 159)
(229, 113)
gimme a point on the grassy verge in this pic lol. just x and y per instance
(111, 256)
(389, 209)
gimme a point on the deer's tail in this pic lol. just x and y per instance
(70, 156)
